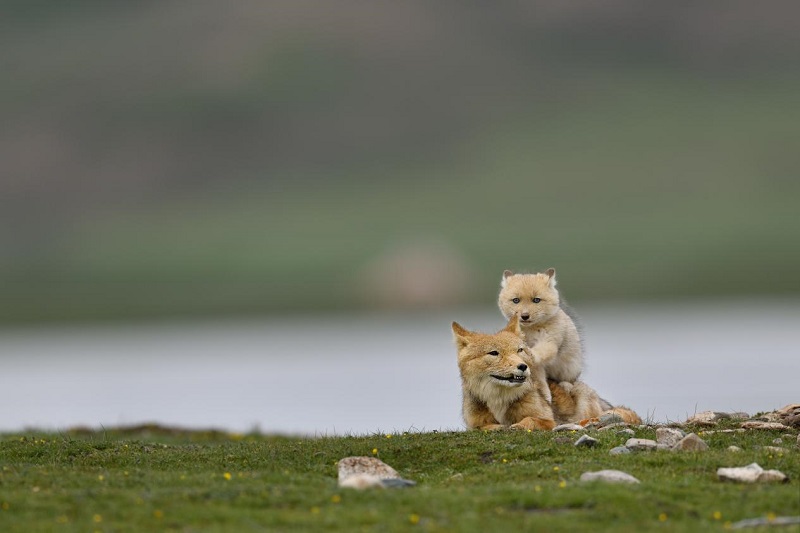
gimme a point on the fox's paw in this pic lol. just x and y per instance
(491, 427)
(567, 386)
(530, 423)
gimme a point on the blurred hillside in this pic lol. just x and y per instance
(197, 157)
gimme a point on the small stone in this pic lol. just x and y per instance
(777, 441)
(619, 450)
(707, 418)
(669, 436)
(767, 521)
(733, 449)
(562, 440)
(613, 426)
(569, 427)
(740, 415)
(691, 443)
(609, 476)
(640, 444)
(627, 431)
(755, 424)
(457, 477)
(586, 441)
(610, 418)
(751, 473)
(368, 472)
(771, 449)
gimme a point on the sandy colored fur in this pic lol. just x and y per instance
(549, 332)
(536, 403)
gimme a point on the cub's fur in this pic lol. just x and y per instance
(503, 387)
(549, 332)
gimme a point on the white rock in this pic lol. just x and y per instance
(755, 424)
(641, 444)
(669, 436)
(734, 449)
(691, 443)
(619, 450)
(707, 418)
(586, 441)
(751, 473)
(569, 427)
(609, 476)
(368, 472)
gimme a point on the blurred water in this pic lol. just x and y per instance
(322, 374)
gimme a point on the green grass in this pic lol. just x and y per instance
(150, 480)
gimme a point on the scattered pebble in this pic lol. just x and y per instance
(707, 418)
(768, 521)
(757, 424)
(640, 444)
(562, 440)
(610, 418)
(777, 441)
(613, 426)
(772, 449)
(586, 441)
(569, 427)
(368, 472)
(691, 443)
(751, 473)
(609, 476)
(669, 436)
(627, 431)
(619, 450)
(734, 449)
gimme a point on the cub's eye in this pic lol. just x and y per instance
(494, 352)
(515, 300)
(537, 300)
(519, 351)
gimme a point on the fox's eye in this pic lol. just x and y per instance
(494, 352)
(515, 300)
(537, 300)
(519, 351)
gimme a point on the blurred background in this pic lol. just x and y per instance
(288, 158)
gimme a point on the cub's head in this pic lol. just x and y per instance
(532, 297)
(494, 360)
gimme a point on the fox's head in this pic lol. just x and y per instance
(532, 297)
(499, 360)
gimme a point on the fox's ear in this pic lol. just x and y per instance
(513, 325)
(460, 335)
(506, 274)
(551, 273)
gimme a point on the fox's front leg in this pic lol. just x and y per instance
(478, 416)
(532, 423)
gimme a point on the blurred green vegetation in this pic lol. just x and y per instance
(153, 174)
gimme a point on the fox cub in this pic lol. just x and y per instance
(503, 387)
(549, 332)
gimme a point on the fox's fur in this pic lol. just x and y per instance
(548, 330)
(503, 386)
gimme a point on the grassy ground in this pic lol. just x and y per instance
(149, 480)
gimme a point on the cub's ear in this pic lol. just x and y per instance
(460, 335)
(513, 325)
(551, 273)
(506, 274)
